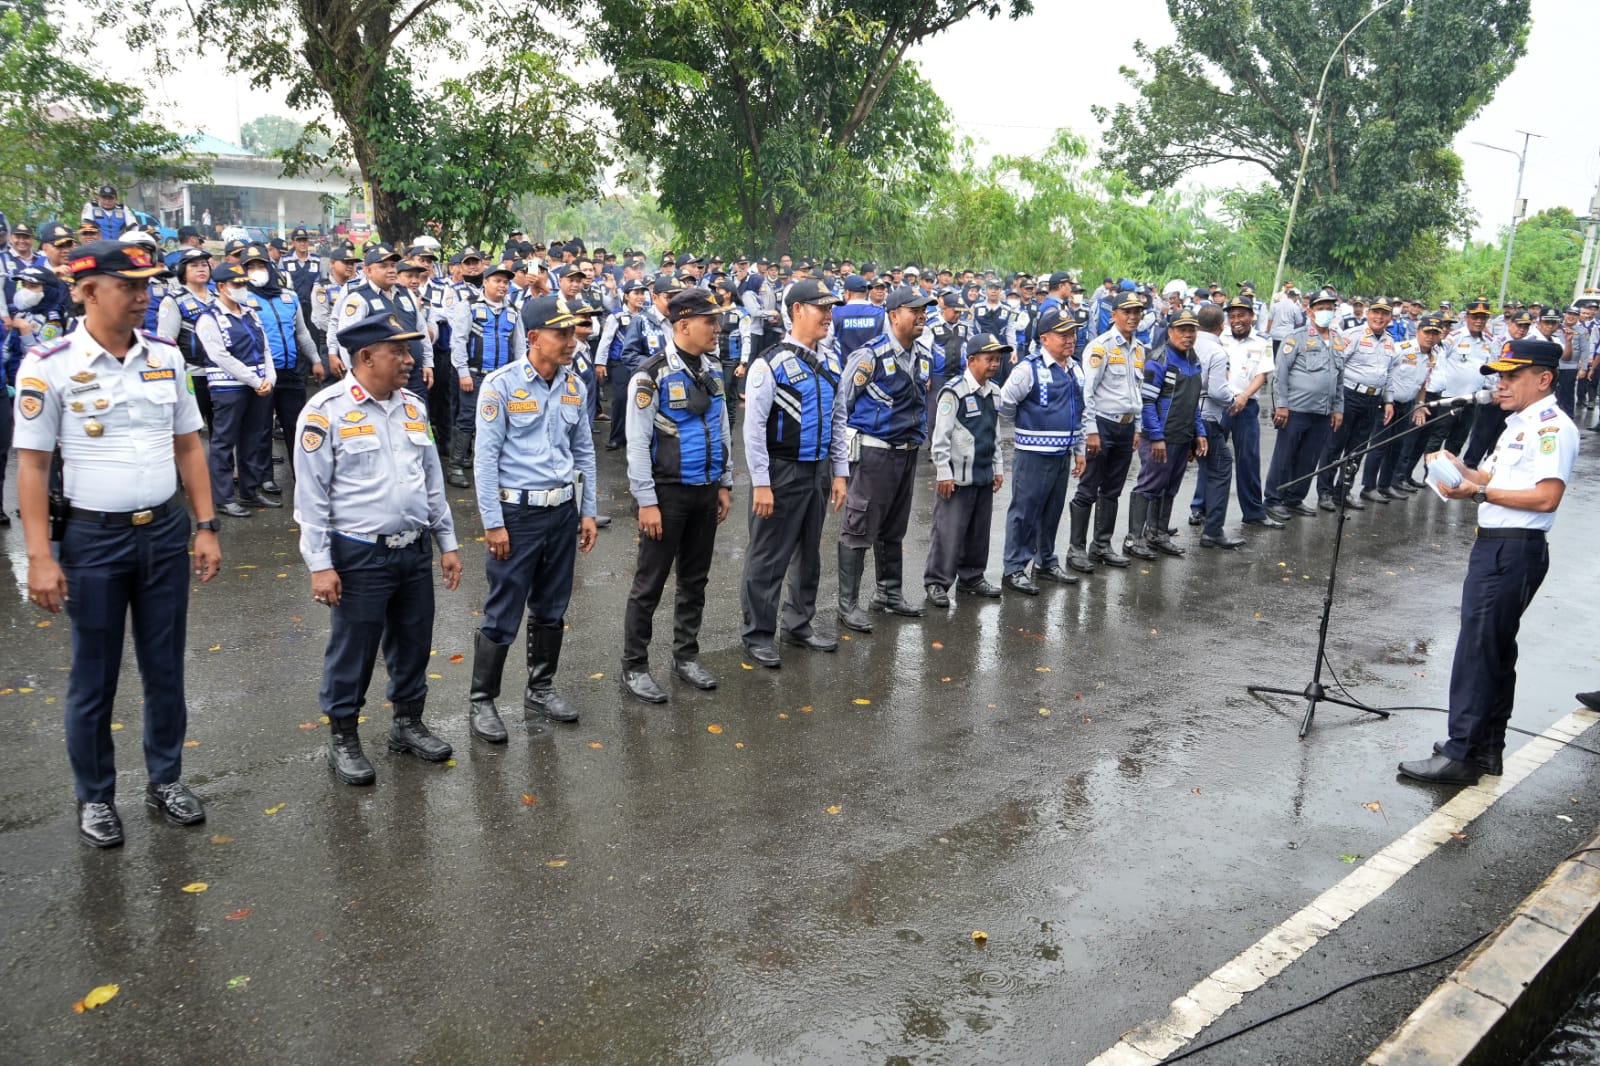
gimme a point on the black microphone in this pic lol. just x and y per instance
(1476, 399)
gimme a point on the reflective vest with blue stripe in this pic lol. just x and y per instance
(190, 308)
(489, 347)
(278, 319)
(687, 447)
(246, 343)
(889, 401)
(152, 312)
(800, 426)
(1053, 407)
(112, 223)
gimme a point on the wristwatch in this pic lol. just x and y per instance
(1481, 496)
(209, 524)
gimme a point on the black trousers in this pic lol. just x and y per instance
(1447, 429)
(1363, 417)
(877, 509)
(958, 551)
(688, 538)
(789, 542)
(1487, 425)
(1106, 472)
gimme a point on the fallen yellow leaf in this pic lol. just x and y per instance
(457, 657)
(24, 691)
(449, 762)
(529, 799)
(191, 743)
(557, 863)
(782, 714)
(713, 728)
(436, 676)
(196, 886)
(979, 937)
(596, 744)
(738, 743)
(596, 677)
(1041, 669)
(115, 726)
(274, 810)
(861, 702)
(937, 644)
(834, 809)
(42, 625)
(325, 720)
(1045, 711)
(97, 997)
(220, 839)
(216, 647)
(806, 709)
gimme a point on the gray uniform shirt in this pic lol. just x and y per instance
(952, 444)
(1113, 376)
(1310, 367)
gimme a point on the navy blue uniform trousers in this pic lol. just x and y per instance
(385, 603)
(1300, 444)
(1244, 429)
(241, 438)
(1038, 496)
(1216, 467)
(1363, 418)
(112, 570)
(1502, 576)
(1106, 472)
(537, 575)
(789, 542)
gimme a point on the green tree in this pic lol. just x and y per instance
(1239, 84)
(64, 129)
(275, 134)
(1544, 262)
(765, 121)
(454, 157)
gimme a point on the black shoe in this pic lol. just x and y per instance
(1225, 541)
(811, 641)
(980, 587)
(411, 734)
(695, 674)
(1279, 514)
(1354, 503)
(612, 447)
(642, 685)
(764, 655)
(1080, 561)
(260, 502)
(175, 802)
(1442, 770)
(1021, 582)
(1325, 503)
(272, 487)
(234, 509)
(5, 520)
(1108, 557)
(1397, 491)
(1268, 522)
(1054, 573)
(1373, 496)
(1590, 700)
(601, 521)
(456, 477)
(349, 762)
(892, 602)
(1413, 484)
(1491, 765)
(99, 825)
(1306, 510)
(1196, 518)
(936, 595)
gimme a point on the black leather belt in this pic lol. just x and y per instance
(1510, 534)
(120, 518)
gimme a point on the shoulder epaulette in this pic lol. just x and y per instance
(48, 350)
(156, 338)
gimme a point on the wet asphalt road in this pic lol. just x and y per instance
(800, 885)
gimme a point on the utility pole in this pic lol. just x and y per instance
(1519, 206)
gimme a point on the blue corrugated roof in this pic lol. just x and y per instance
(205, 144)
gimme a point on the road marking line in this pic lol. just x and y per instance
(1226, 987)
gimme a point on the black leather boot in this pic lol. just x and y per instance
(1105, 527)
(488, 665)
(460, 456)
(852, 561)
(890, 562)
(544, 655)
(1139, 524)
(1161, 524)
(1077, 557)
(349, 762)
(410, 734)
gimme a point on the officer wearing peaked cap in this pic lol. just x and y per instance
(1113, 378)
(946, 338)
(968, 467)
(649, 335)
(535, 476)
(370, 501)
(1308, 404)
(485, 335)
(1369, 356)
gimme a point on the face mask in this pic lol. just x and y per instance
(239, 293)
(27, 299)
(258, 277)
(1323, 319)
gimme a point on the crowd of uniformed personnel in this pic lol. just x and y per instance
(843, 381)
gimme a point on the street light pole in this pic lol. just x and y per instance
(1516, 206)
(1311, 130)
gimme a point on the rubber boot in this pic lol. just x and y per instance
(460, 456)
(544, 655)
(488, 664)
(852, 561)
(1160, 521)
(1077, 558)
(410, 734)
(1139, 526)
(1105, 527)
(890, 562)
(345, 756)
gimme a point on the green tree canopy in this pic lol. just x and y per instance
(275, 134)
(1238, 87)
(761, 116)
(64, 129)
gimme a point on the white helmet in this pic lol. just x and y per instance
(425, 241)
(1175, 286)
(139, 236)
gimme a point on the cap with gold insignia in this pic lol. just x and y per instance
(299, 233)
(374, 329)
(1380, 303)
(1057, 321)
(810, 291)
(1324, 295)
(57, 235)
(547, 312)
(906, 296)
(1128, 301)
(114, 258)
(1185, 318)
(380, 253)
(691, 303)
(1521, 353)
(666, 285)
(1430, 322)
(253, 253)
(1241, 302)
(1480, 306)
(1521, 318)
(980, 343)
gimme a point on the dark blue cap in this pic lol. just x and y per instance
(549, 312)
(906, 296)
(374, 329)
(856, 283)
(986, 342)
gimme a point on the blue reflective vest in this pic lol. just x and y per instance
(949, 348)
(890, 403)
(1051, 416)
(246, 343)
(158, 292)
(190, 308)
(112, 223)
(489, 347)
(687, 447)
(855, 325)
(278, 319)
(800, 426)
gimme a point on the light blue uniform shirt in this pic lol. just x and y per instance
(532, 435)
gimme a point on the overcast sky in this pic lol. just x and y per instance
(1010, 84)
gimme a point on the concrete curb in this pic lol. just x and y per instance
(1514, 987)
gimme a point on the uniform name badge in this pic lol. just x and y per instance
(972, 405)
(675, 391)
(888, 365)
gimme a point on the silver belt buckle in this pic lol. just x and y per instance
(396, 541)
